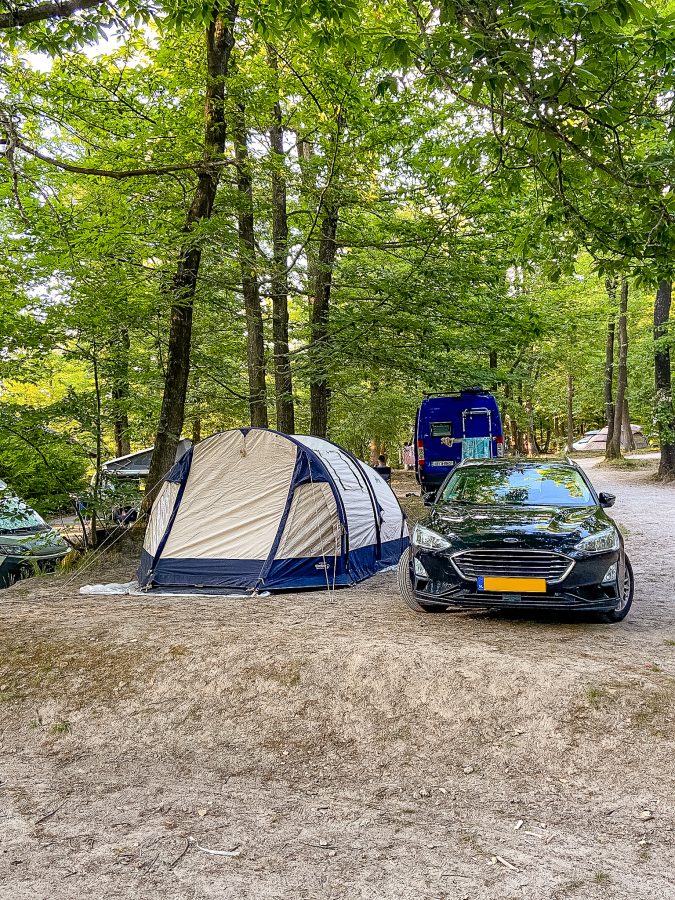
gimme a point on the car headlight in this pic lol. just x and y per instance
(428, 539)
(13, 550)
(602, 542)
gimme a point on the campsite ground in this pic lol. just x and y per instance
(342, 745)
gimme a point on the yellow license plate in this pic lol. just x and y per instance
(513, 585)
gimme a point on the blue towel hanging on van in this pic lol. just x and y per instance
(476, 448)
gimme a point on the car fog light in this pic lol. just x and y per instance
(420, 571)
(610, 574)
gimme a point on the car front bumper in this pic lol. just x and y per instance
(582, 588)
(14, 568)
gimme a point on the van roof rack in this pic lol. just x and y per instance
(456, 393)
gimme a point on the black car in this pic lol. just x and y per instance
(526, 534)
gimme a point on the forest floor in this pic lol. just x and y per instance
(340, 746)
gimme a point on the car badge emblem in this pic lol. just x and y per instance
(511, 541)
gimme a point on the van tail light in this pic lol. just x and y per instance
(500, 446)
(420, 453)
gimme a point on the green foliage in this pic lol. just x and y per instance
(489, 166)
(38, 463)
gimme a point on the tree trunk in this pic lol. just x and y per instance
(120, 393)
(508, 418)
(255, 340)
(628, 438)
(665, 414)
(308, 194)
(613, 449)
(547, 441)
(570, 412)
(283, 380)
(532, 445)
(610, 286)
(96, 492)
(219, 43)
(319, 390)
(196, 430)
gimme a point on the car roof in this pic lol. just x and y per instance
(532, 461)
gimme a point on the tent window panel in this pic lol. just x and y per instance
(313, 527)
(343, 472)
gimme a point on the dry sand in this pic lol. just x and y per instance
(342, 747)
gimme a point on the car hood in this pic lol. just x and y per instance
(559, 527)
(23, 542)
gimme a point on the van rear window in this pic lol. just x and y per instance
(441, 429)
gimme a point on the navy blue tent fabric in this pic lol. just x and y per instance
(344, 500)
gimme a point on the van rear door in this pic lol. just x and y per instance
(437, 439)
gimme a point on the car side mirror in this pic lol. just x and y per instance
(428, 497)
(606, 500)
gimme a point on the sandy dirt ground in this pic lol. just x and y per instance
(340, 746)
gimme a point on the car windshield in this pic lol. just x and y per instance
(518, 484)
(16, 515)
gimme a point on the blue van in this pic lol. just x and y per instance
(452, 427)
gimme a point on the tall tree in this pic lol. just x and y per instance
(613, 447)
(255, 336)
(663, 378)
(120, 392)
(283, 380)
(610, 286)
(570, 412)
(219, 45)
(319, 389)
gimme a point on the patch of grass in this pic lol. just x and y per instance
(569, 887)
(6, 696)
(623, 463)
(601, 877)
(669, 643)
(469, 839)
(71, 561)
(285, 675)
(34, 666)
(645, 854)
(598, 696)
(60, 728)
(655, 707)
(179, 650)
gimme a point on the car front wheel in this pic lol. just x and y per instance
(626, 592)
(405, 587)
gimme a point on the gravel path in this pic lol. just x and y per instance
(340, 747)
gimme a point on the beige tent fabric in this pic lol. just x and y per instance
(234, 498)
(599, 440)
(313, 525)
(159, 517)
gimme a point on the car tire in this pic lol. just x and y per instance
(406, 590)
(620, 613)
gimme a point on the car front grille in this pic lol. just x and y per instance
(513, 564)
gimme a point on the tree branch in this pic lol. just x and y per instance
(55, 10)
(118, 174)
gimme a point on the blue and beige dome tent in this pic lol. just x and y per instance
(252, 509)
